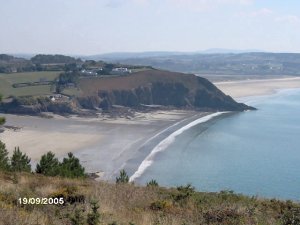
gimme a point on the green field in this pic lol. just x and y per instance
(7, 80)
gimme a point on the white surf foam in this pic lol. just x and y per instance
(166, 142)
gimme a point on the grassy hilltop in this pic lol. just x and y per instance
(129, 204)
(8, 80)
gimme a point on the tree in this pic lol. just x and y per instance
(71, 167)
(48, 165)
(93, 218)
(20, 162)
(4, 160)
(123, 178)
(2, 119)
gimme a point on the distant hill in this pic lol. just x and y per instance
(127, 55)
(211, 61)
(227, 51)
(53, 59)
(256, 63)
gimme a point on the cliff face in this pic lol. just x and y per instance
(160, 88)
(34, 106)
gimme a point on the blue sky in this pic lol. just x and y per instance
(100, 26)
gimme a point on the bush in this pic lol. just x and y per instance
(161, 205)
(184, 192)
(123, 178)
(20, 162)
(77, 218)
(152, 183)
(25, 101)
(291, 216)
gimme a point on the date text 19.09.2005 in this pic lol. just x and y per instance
(41, 201)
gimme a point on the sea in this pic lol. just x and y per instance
(256, 153)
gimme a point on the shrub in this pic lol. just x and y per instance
(152, 183)
(161, 205)
(184, 192)
(69, 194)
(291, 216)
(77, 218)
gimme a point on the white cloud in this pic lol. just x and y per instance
(289, 19)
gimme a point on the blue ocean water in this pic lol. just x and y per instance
(254, 152)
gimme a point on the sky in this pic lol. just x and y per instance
(88, 27)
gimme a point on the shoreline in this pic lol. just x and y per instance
(162, 145)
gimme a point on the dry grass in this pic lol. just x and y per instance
(128, 203)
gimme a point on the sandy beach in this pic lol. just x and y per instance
(245, 88)
(103, 144)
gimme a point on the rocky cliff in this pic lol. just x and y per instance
(155, 87)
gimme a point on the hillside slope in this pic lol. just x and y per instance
(155, 87)
(128, 204)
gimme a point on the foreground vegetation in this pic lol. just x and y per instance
(125, 203)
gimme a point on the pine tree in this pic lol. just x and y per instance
(93, 218)
(2, 119)
(4, 160)
(71, 167)
(123, 178)
(20, 162)
(48, 165)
